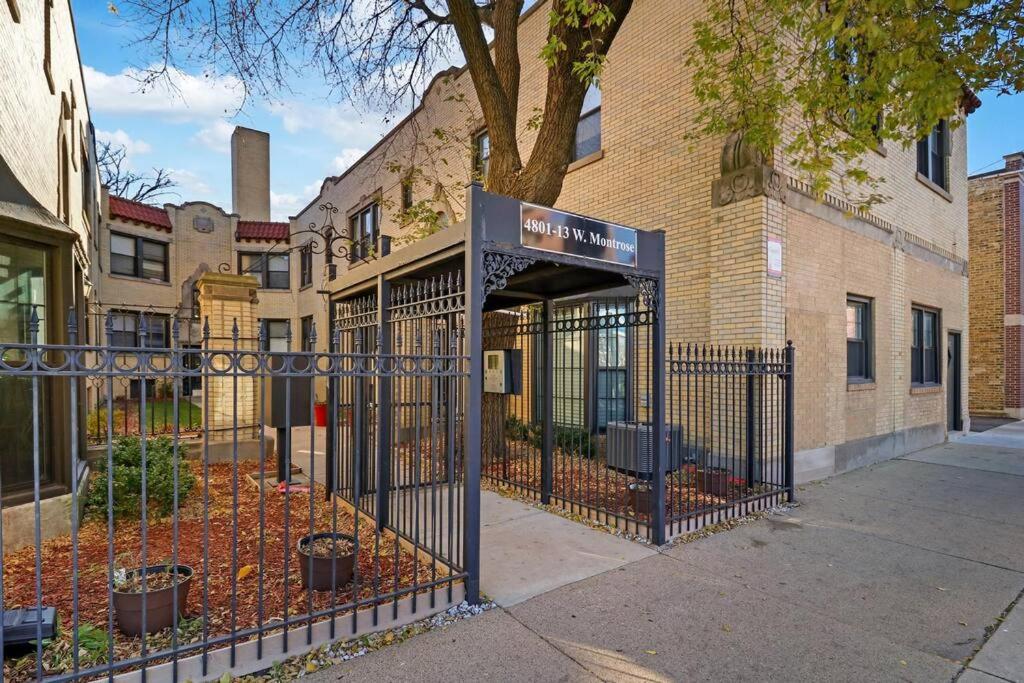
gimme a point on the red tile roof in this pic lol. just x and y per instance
(262, 230)
(128, 210)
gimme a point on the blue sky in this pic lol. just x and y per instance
(188, 132)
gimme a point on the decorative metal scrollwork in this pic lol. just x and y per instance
(499, 267)
(649, 291)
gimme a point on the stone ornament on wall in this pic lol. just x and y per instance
(746, 173)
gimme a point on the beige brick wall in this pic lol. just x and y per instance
(192, 252)
(35, 118)
(718, 289)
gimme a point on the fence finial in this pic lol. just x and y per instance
(312, 336)
(234, 330)
(108, 328)
(206, 328)
(143, 330)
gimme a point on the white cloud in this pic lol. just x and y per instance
(284, 204)
(342, 123)
(216, 136)
(179, 97)
(119, 138)
(348, 156)
(190, 184)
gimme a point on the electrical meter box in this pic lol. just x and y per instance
(503, 371)
(286, 400)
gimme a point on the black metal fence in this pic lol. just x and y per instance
(579, 433)
(729, 440)
(261, 560)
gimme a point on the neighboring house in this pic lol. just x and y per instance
(994, 215)
(49, 194)
(150, 258)
(872, 301)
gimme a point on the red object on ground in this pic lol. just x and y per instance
(284, 487)
(320, 414)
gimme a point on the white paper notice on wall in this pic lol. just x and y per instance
(774, 257)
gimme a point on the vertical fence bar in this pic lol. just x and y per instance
(789, 374)
(548, 403)
(383, 399)
(657, 400)
(474, 392)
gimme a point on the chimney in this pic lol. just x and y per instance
(1015, 161)
(250, 174)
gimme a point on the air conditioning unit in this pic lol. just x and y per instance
(628, 448)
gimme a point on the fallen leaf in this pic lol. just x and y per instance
(940, 588)
(245, 571)
(727, 628)
(651, 652)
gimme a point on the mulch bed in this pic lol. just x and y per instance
(383, 566)
(590, 482)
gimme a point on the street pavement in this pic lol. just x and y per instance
(901, 571)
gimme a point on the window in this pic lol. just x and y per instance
(407, 194)
(47, 65)
(924, 354)
(858, 339)
(87, 194)
(612, 367)
(306, 327)
(933, 155)
(127, 329)
(276, 334)
(364, 229)
(588, 130)
(195, 301)
(271, 270)
(138, 257)
(481, 154)
(306, 266)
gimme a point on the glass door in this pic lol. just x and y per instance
(23, 288)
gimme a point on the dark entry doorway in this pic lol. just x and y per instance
(954, 414)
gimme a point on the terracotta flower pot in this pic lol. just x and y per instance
(713, 481)
(328, 573)
(160, 607)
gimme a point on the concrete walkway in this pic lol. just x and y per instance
(893, 572)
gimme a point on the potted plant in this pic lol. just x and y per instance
(641, 497)
(332, 557)
(713, 481)
(159, 582)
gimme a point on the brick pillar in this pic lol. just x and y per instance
(224, 301)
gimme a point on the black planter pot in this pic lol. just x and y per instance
(160, 607)
(328, 573)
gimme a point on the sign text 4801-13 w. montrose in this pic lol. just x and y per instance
(568, 233)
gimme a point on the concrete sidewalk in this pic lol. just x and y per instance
(892, 572)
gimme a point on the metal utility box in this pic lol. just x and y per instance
(630, 448)
(503, 371)
(282, 393)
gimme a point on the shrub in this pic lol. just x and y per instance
(127, 478)
(570, 440)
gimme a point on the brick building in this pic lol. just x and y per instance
(49, 194)
(994, 215)
(872, 301)
(149, 259)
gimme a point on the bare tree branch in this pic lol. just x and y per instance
(121, 181)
